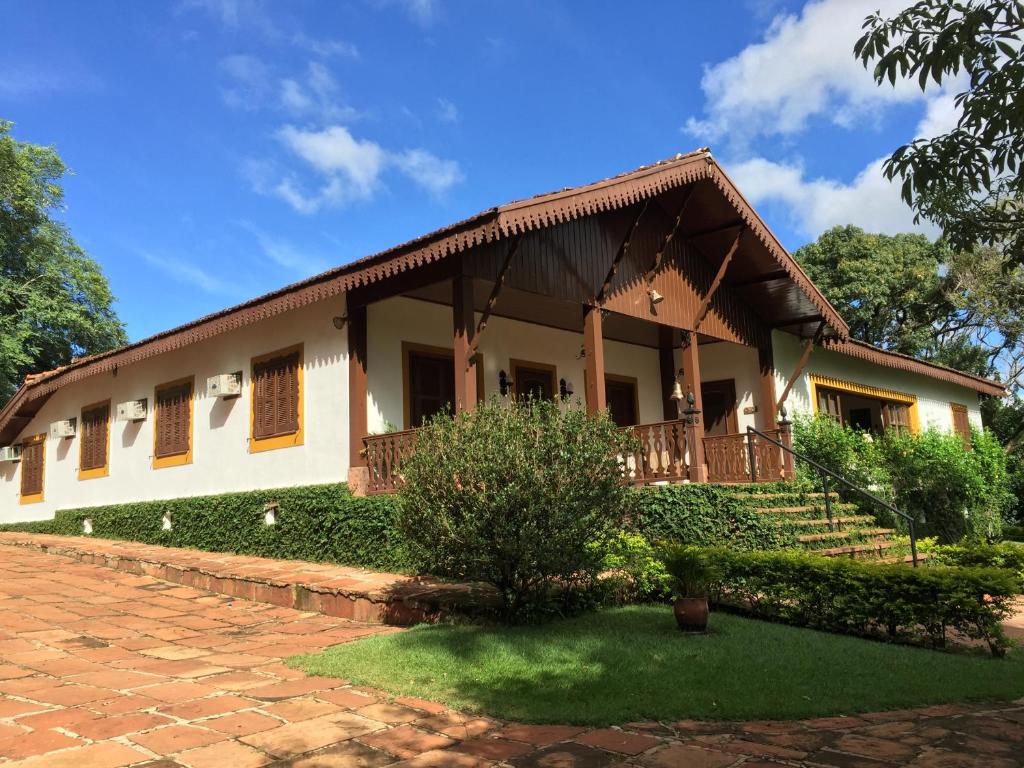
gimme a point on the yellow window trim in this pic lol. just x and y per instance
(89, 474)
(426, 349)
(854, 388)
(35, 498)
(277, 441)
(177, 459)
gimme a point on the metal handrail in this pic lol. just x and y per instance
(827, 473)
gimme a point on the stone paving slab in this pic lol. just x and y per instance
(103, 668)
(334, 590)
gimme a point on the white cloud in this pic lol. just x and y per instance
(325, 48)
(421, 11)
(283, 253)
(190, 274)
(803, 68)
(432, 173)
(447, 112)
(348, 169)
(248, 81)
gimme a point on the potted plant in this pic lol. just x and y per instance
(691, 573)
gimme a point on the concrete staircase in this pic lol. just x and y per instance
(851, 534)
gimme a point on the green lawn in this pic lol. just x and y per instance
(632, 663)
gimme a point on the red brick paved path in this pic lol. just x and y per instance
(101, 669)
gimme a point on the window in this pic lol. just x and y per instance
(429, 375)
(95, 429)
(961, 423)
(277, 400)
(620, 395)
(864, 407)
(172, 435)
(535, 380)
(33, 457)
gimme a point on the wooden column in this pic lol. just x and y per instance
(766, 365)
(593, 355)
(463, 325)
(358, 475)
(695, 424)
(667, 363)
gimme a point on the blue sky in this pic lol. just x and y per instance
(224, 148)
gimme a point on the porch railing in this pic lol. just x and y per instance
(384, 454)
(660, 455)
(744, 458)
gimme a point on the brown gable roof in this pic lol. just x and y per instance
(487, 226)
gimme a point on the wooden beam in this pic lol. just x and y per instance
(694, 431)
(357, 428)
(660, 255)
(396, 285)
(620, 255)
(769, 277)
(493, 298)
(705, 303)
(593, 353)
(667, 364)
(801, 364)
(463, 356)
(799, 321)
(715, 230)
(766, 371)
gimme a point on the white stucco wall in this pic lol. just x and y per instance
(221, 459)
(933, 396)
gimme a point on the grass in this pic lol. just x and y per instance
(627, 664)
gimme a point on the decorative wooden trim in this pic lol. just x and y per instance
(178, 459)
(90, 474)
(35, 498)
(865, 390)
(258, 445)
(514, 363)
(446, 352)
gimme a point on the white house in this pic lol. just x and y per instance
(608, 294)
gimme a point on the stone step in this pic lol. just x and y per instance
(812, 522)
(782, 495)
(829, 535)
(805, 509)
(921, 557)
(874, 549)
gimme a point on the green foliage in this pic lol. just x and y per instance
(955, 493)
(316, 523)
(691, 568)
(705, 515)
(966, 180)
(632, 572)
(1008, 555)
(852, 597)
(524, 496)
(55, 303)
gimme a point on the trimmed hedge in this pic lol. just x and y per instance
(707, 516)
(1007, 554)
(317, 523)
(899, 603)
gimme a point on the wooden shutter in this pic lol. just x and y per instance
(32, 458)
(94, 437)
(173, 420)
(276, 396)
(828, 403)
(961, 423)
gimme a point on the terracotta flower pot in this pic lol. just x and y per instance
(692, 614)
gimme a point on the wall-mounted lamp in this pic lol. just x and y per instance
(339, 321)
(565, 389)
(582, 352)
(504, 383)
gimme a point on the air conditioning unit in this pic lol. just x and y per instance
(133, 410)
(63, 428)
(10, 453)
(224, 385)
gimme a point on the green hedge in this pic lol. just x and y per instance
(317, 523)
(1007, 554)
(706, 515)
(918, 605)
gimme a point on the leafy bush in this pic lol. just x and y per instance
(955, 493)
(852, 597)
(524, 496)
(847, 452)
(632, 572)
(705, 515)
(317, 523)
(1007, 555)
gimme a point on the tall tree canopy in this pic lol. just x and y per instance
(902, 292)
(966, 180)
(55, 303)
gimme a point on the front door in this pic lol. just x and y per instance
(620, 394)
(533, 380)
(719, 407)
(431, 386)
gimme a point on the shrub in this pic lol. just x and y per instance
(705, 515)
(1007, 555)
(847, 452)
(632, 572)
(318, 523)
(954, 493)
(524, 496)
(852, 597)
(692, 569)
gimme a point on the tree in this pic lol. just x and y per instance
(55, 303)
(964, 309)
(966, 180)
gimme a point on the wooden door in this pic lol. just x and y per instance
(431, 386)
(719, 407)
(533, 380)
(620, 394)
